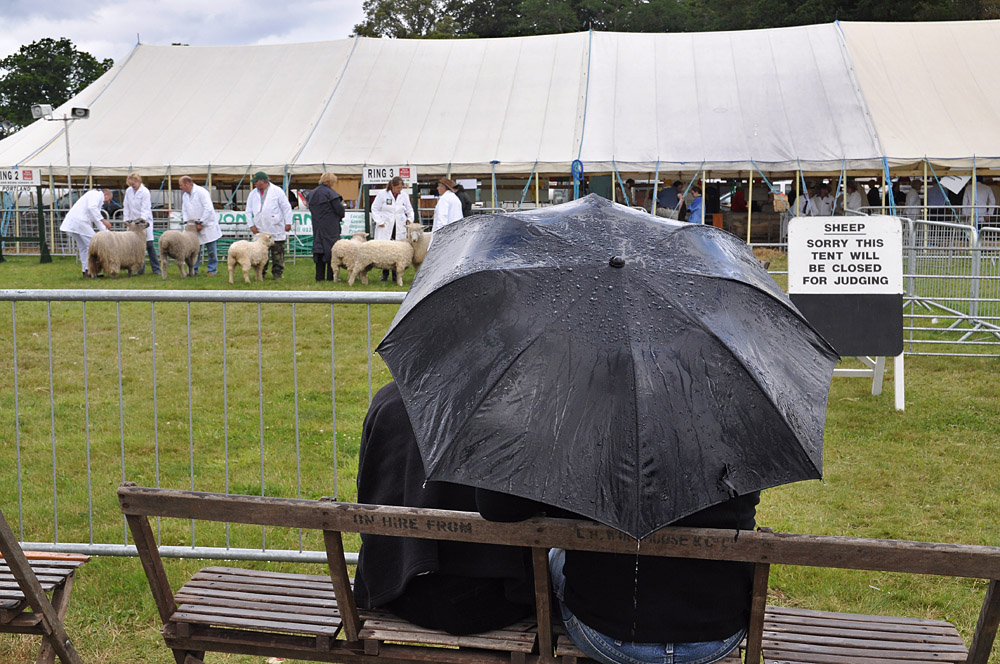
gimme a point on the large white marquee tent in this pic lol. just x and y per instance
(822, 98)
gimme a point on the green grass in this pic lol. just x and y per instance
(930, 473)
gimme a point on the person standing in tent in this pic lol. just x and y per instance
(696, 210)
(82, 218)
(984, 203)
(914, 204)
(448, 208)
(139, 206)
(391, 211)
(197, 207)
(327, 209)
(854, 199)
(268, 211)
(464, 197)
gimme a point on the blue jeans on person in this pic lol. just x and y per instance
(605, 649)
(212, 250)
(154, 260)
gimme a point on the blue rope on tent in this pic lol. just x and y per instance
(888, 186)
(524, 192)
(689, 185)
(805, 191)
(237, 188)
(840, 177)
(577, 170)
(620, 183)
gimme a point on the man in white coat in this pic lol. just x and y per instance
(985, 202)
(196, 204)
(137, 205)
(449, 207)
(82, 218)
(914, 200)
(268, 211)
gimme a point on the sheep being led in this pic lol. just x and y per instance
(341, 252)
(249, 255)
(111, 251)
(421, 241)
(380, 254)
(182, 247)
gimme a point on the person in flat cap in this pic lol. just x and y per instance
(449, 207)
(268, 211)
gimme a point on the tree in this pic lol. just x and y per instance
(405, 19)
(48, 71)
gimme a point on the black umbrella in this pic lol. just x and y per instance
(595, 358)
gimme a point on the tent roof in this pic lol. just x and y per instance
(817, 97)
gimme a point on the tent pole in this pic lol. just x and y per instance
(885, 174)
(798, 179)
(656, 188)
(750, 206)
(52, 209)
(974, 220)
(208, 179)
(843, 178)
(170, 197)
(537, 202)
(925, 188)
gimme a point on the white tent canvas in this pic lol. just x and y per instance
(820, 98)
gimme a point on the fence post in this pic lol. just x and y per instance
(43, 246)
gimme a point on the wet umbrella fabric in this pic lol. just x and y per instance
(626, 368)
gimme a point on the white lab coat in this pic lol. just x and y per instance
(985, 201)
(137, 205)
(447, 210)
(85, 215)
(197, 207)
(855, 201)
(822, 206)
(270, 213)
(389, 211)
(914, 199)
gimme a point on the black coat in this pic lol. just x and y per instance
(391, 472)
(327, 209)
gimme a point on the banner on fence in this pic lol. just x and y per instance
(233, 221)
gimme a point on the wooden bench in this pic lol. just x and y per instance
(314, 617)
(25, 578)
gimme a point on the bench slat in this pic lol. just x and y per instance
(432, 637)
(288, 576)
(197, 600)
(245, 595)
(848, 623)
(916, 641)
(284, 591)
(12, 585)
(868, 641)
(516, 632)
(830, 615)
(262, 581)
(256, 613)
(774, 656)
(254, 624)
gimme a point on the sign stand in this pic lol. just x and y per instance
(19, 178)
(845, 274)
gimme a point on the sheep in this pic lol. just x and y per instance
(341, 251)
(381, 254)
(182, 247)
(421, 241)
(249, 255)
(111, 251)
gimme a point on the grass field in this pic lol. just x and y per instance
(930, 473)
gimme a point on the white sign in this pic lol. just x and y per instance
(20, 177)
(382, 174)
(845, 255)
(354, 222)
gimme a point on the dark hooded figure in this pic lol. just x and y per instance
(327, 209)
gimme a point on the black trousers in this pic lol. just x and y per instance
(385, 273)
(323, 269)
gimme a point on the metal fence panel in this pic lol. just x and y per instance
(202, 390)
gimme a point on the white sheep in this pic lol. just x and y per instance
(110, 251)
(182, 247)
(342, 250)
(421, 241)
(380, 254)
(249, 255)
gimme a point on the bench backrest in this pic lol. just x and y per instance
(761, 547)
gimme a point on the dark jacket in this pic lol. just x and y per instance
(327, 209)
(464, 198)
(472, 587)
(651, 599)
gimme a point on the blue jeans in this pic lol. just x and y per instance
(605, 649)
(154, 260)
(212, 251)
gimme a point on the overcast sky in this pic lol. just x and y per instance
(107, 28)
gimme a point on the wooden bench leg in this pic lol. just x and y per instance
(60, 603)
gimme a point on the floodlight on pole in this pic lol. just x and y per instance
(5, 127)
(39, 111)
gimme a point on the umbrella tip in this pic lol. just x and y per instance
(616, 261)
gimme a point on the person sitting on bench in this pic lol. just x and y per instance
(461, 588)
(635, 609)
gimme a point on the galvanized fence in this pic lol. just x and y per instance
(242, 392)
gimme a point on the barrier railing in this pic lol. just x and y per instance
(242, 392)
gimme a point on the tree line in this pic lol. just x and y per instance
(511, 18)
